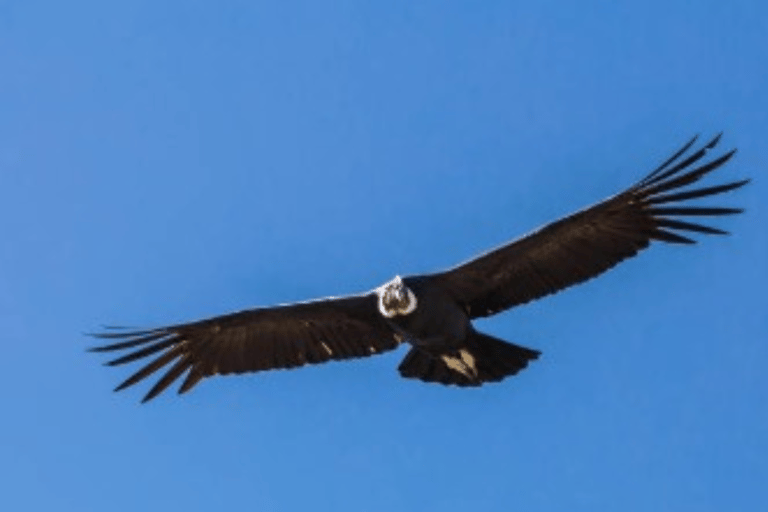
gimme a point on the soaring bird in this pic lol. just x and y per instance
(433, 313)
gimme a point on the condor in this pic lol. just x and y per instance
(433, 313)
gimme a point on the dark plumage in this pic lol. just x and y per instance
(433, 312)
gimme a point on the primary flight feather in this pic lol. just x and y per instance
(433, 312)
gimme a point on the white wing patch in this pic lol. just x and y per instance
(464, 364)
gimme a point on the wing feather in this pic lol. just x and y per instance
(587, 243)
(253, 340)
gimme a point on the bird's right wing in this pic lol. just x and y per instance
(253, 340)
(589, 242)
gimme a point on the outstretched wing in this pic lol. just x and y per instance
(593, 240)
(254, 340)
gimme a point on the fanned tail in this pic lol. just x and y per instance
(482, 359)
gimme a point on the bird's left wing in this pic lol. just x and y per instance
(253, 340)
(589, 242)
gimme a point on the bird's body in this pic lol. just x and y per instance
(440, 321)
(434, 312)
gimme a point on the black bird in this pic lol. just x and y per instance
(434, 312)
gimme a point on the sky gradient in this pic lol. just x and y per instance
(167, 161)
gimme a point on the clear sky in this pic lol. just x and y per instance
(167, 161)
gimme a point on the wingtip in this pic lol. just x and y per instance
(158, 388)
(112, 332)
(126, 384)
(711, 144)
(121, 386)
(100, 335)
(100, 348)
(738, 184)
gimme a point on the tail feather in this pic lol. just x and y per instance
(482, 359)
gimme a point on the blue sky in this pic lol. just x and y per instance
(166, 161)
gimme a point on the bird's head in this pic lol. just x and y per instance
(395, 298)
